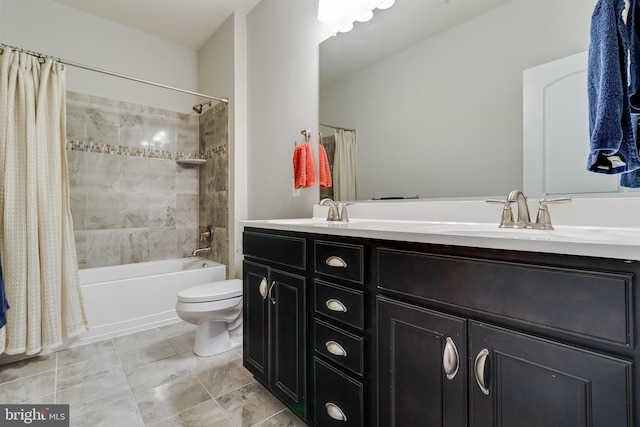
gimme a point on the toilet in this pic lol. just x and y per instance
(216, 308)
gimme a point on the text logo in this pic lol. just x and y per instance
(34, 415)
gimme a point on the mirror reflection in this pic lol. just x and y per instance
(432, 91)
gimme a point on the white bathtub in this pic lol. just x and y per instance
(128, 298)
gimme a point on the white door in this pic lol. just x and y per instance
(556, 131)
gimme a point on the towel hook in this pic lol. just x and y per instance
(307, 134)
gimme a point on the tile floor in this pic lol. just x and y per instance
(149, 378)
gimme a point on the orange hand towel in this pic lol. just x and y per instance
(304, 171)
(325, 171)
(299, 165)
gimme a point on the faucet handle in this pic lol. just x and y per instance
(506, 220)
(331, 214)
(543, 219)
(344, 217)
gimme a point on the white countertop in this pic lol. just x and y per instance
(581, 227)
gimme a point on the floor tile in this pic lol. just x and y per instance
(149, 378)
(223, 378)
(170, 398)
(86, 352)
(95, 392)
(208, 414)
(285, 418)
(25, 368)
(138, 339)
(28, 389)
(249, 405)
(157, 373)
(83, 372)
(197, 364)
(121, 413)
(183, 342)
(178, 328)
(145, 354)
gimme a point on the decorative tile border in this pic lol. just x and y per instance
(153, 153)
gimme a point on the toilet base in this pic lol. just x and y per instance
(213, 338)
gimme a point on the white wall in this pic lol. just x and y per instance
(222, 69)
(456, 99)
(57, 30)
(282, 90)
(239, 183)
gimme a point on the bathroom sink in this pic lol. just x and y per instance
(561, 233)
(295, 221)
(313, 222)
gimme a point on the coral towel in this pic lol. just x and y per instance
(304, 171)
(325, 171)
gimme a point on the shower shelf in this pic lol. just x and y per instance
(191, 161)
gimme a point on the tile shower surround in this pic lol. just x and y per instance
(130, 200)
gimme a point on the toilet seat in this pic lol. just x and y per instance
(214, 291)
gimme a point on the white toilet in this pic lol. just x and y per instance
(216, 308)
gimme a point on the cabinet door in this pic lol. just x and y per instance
(288, 340)
(532, 382)
(422, 375)
(256, 320)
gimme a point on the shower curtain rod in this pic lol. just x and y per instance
(111, 73)
(336, 127)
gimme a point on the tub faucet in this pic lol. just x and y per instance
(197, 251)
(523, 219)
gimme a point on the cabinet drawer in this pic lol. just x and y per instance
(339, 260)
(592, 304)
(285, 250)
(339, 400)
(343, 348)
(342, 304)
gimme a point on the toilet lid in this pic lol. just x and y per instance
(213, 291)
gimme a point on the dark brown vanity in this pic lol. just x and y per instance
(352, 331)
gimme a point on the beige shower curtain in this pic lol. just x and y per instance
(36, 231)
(344, 166)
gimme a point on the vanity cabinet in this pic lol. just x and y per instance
(353, 331)
(470, 361)
(274, 316)
(339, 344)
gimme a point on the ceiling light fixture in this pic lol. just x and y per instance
(342, 13)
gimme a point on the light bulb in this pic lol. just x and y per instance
(327, 11)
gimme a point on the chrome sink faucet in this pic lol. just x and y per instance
(523, 220)
(543, 219)
(336, 212)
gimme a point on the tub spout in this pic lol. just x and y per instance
(197, 251)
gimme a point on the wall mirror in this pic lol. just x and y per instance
(434, 90)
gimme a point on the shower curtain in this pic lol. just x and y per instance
(344, 166)
(36, 231)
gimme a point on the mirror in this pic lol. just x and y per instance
(433, 89)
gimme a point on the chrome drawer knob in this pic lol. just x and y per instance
(480, 370)
(335, 412)
(450, 359)
(262, 288)
(335, 348)
(336, 261)
(335, 305)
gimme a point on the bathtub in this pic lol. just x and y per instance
(128, 298)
